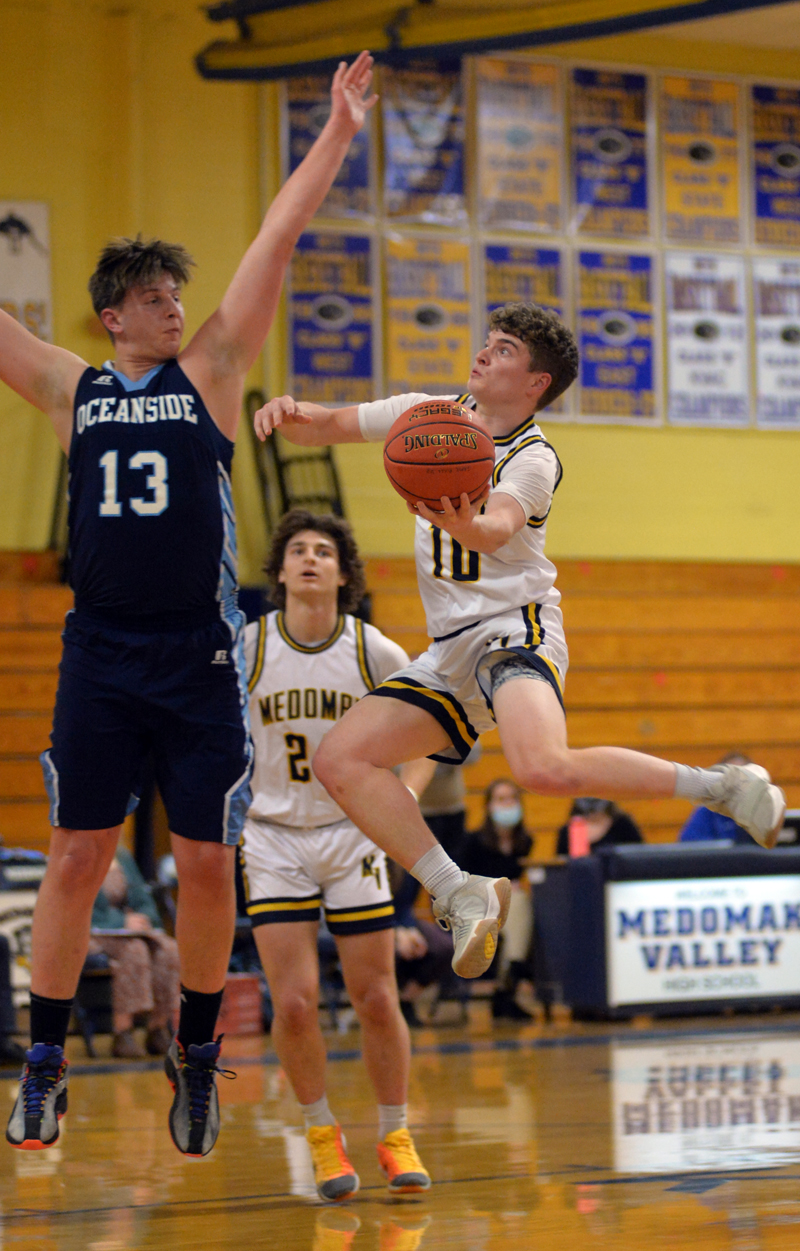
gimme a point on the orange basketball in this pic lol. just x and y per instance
(438, 448)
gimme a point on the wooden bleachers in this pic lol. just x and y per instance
(32, 610)
(686, 661)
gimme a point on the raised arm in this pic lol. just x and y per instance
(44, 375)
(229, 342)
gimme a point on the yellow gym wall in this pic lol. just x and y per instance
(106, 119)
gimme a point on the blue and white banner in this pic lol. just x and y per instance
(308, 105)
(331, 318)
(702, 938)
(776, 164)
(609, 153)
(707, 342)
(616, 333)
(423, 140)
(776, 301)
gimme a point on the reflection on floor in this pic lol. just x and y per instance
(550, 1137)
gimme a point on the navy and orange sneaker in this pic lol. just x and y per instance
(42, 1099)
(194, 1115)
(335, 1177)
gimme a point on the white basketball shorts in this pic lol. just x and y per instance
(290, 874)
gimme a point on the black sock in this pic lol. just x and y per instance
(49, 1020)
(199, 1014)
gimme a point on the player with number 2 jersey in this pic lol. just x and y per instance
(309, 663)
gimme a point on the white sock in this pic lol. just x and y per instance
(698, 784)
(438, 873)
(391, 1117)
(317, 1113)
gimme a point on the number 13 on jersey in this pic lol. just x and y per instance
(156, 482)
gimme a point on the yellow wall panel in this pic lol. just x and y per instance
(107, 120)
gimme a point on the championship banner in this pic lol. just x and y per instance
(707, 340)
(776, 291)
(25, 265)
(423, 140)
(776, 164)
(427, 316)
(615, 318)
(308, 105)
(520, 142)
(519, 272)
(722, 1103)
(609, 146)
(694, 939)
(700, 160)
(330, 319)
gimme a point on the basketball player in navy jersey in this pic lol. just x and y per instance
(153, 655)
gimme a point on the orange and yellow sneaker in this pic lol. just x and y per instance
(402, 1233)
(335, 1230)
(335, 1177)
(405, 1172)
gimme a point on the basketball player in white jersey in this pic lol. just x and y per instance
(309, 663)
(498, 653)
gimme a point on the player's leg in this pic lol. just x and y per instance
(76, 866)
(288, 952)
(534, 737)
(368, 969)
(90, 773)
(354, 763)
(202, 756)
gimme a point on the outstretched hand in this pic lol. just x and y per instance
(349, 106)
(283, 411)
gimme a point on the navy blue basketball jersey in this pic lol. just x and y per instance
(152, 531)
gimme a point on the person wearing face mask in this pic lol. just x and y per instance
(606, 825)
(498, 849)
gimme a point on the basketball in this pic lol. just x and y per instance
(438, 448)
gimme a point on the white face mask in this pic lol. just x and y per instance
(508, 815)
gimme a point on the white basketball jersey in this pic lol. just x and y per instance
(296, 694)
(459, 588)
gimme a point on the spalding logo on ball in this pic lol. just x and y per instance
(438, 448)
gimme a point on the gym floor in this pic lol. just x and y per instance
(661, 1134)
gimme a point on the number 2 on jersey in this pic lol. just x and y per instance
(155, 482)
(297, 749)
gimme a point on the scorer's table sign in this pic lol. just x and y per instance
(702, 938)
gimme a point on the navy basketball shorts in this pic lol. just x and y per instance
(179, 697)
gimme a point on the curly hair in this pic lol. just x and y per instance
(551, 345)
(127, 263)
(350, 563)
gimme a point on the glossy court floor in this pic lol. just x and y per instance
(555, 1136)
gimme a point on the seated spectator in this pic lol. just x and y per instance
(10, 1051)
(423, 950)
(144, 960)
(706, 826)
(498, 849)
(606, 825)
